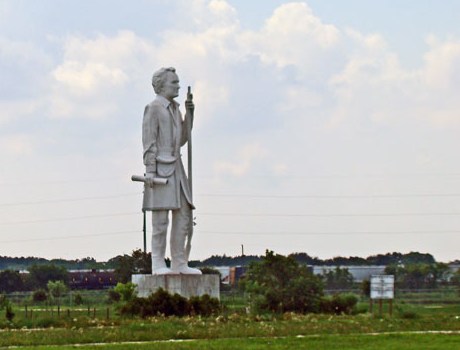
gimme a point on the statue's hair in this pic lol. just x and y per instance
(159, 77)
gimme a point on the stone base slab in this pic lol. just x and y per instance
(184, 285)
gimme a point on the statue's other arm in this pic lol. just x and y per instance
(149, 139)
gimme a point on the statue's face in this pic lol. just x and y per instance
(171, 86)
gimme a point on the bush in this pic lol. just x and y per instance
(40, 275)
(57, 289)
(113, 296)
(78, 299)
(339, 304)
(280, 284)
(9, 314)
(204, 305)
(5, 304)
(366, 288)
(39, 296)
(408, 315)
(163, 303)
(126, 290)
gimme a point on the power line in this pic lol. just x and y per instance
(268, 233)
(67, 219)
(46, 201)
(233, 214)
(333, 196)
(329, 215)
(371, 196)
(261, 233)
(68, 237)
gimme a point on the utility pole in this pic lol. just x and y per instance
(145, 231)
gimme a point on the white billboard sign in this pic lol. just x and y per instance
(382, 287)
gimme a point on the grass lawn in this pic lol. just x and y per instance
(234, 329)
(324, 342)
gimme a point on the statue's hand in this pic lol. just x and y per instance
(149, 179)
(189, 106)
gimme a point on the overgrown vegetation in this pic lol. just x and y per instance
(163, 303)
(339, 278)
(418, 275)
(279, 284)
(6, 305)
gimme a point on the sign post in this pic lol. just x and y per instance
(382, 288)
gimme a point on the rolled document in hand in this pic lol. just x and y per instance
(155, 180)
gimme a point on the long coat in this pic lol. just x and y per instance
(163, 133)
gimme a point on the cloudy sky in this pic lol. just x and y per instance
(325, 127)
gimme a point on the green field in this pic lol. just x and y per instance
(423, 321)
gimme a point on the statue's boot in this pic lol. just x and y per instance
(179, 267)
(159, 267)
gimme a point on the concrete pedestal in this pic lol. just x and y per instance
(184, 285)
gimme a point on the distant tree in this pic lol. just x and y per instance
(127, 291)
(10, 281)
(279, 284)
(136, 263)
(57, 290)
(401, 259)
(223, 260)
(455, 279)
(40, 275)
(206, 270)
(78, 299)
(5, 304)
(347, 261)
(366, 288)
(339, 278)
(419, 275)
(418, 258)
(305, 259)
(39, 296)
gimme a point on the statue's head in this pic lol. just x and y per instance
(165, 82)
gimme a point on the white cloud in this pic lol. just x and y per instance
(16, 145)
(203, 14)
(84, 79)
(16, 109)
(294, 36)
(247, 156)
(94, 72)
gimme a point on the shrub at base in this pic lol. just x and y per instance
(126, 290)
(163, 303)
(204, 306)
(339, 304)
(113, 296)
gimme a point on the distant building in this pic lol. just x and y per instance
(224, 273)
(359, 273)
(92, 279)
(236, 272)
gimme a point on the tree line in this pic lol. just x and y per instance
(24, 263)
(305, 259)
(411, 271)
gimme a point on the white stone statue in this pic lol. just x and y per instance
(164, 132)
